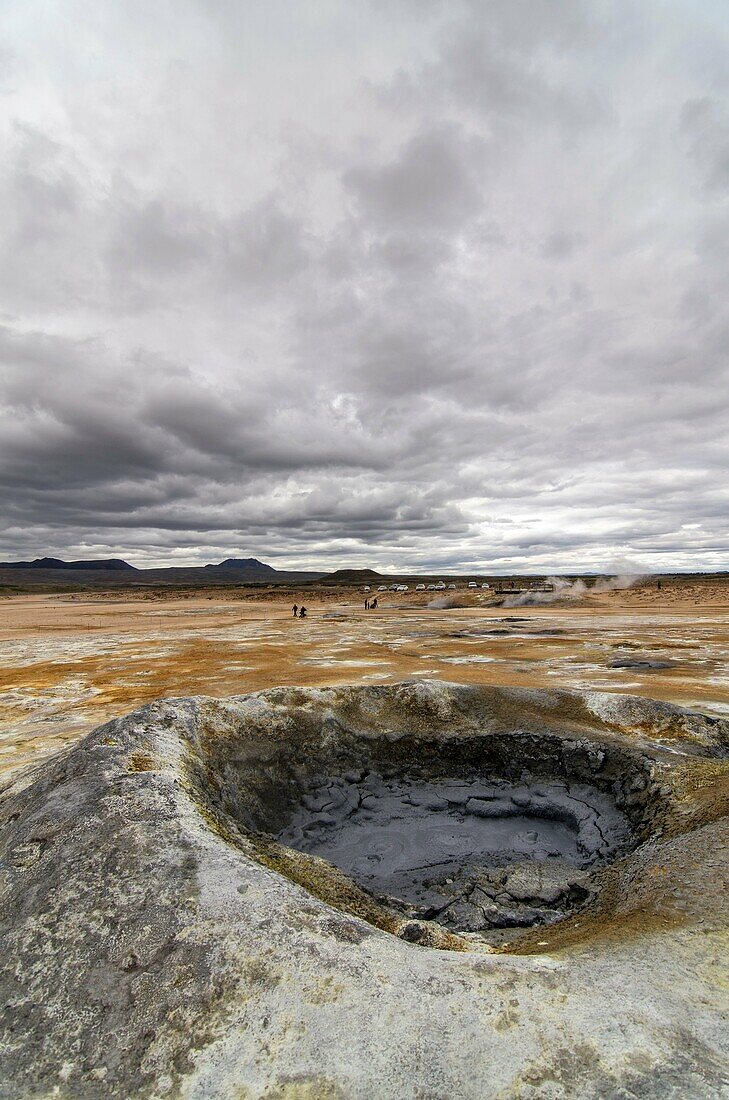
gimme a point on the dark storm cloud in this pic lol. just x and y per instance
(437, 283)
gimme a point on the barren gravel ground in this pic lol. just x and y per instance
(69, 662)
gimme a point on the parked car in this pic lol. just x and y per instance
(440, 586)
(431, 588)
(472, 584)
(382, 588)
(420, 588)
(484, 585)
(451, 586)
(367, 588)
(404, 588)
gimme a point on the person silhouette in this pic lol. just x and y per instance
(295, 610)
(302, 613)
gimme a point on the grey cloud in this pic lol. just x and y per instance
(8, 63)
(508, 63)
(560, 244)
(450, 295)
(46, 193)
(411, 256)
(264, 245)
(704, 127)
(431, 181)
(156, 238)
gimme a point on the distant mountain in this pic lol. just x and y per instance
(250, 565)
(114, 564)
(54, 573)
(352, 576)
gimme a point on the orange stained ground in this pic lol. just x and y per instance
(71, 662)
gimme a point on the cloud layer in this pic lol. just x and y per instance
(392, 284)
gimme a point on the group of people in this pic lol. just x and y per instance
(300, 612)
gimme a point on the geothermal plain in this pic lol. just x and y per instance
(447, 847)
(69, 661)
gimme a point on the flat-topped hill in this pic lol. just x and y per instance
(353, 576)
(112, 564)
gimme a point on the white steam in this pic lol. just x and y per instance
(440, 603)
(563, 589)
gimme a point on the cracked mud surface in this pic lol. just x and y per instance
(471, 854)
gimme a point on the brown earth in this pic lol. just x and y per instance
(71, 661)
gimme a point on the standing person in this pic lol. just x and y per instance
(302, 612)
(295, 610)
(374, 604)
(367, 603)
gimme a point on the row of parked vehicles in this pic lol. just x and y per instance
(441, 586)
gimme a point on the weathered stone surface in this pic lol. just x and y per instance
(156, 942)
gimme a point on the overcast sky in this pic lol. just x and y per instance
(398, 283)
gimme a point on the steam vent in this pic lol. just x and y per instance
(414, 891)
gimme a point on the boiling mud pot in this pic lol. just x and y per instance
(474, 855)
